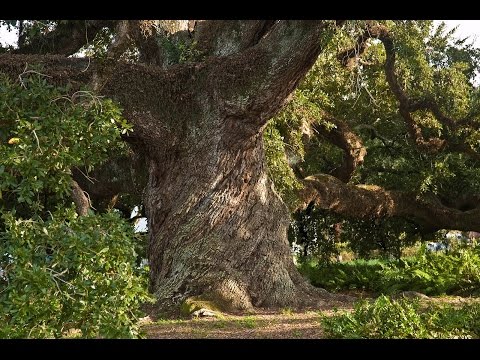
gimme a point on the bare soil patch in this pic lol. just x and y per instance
(262, 324)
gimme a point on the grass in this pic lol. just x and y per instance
(170, 321)
(248, 322)
(287, 311)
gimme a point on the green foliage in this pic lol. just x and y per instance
(69, 273)
(386, 318)
(315, 233)
(455, 272)
(179, 50)
(99, 46)
(381, 319)
(60, 272)
(278, 167)
(388, 236)
(356, 274)
(431, 63)
(45, 132)
(320, 233)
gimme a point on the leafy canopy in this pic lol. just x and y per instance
(432, 64)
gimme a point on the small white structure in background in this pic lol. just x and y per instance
(140, 223)
(3, 273)
(437, 246)
(453, 237)
(143, 263)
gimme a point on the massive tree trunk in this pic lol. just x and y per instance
(217, 227)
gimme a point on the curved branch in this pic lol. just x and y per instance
(343, 137)
(261, 78)
(368, 201)
(407, 105)
(66, 39)
(432, 145)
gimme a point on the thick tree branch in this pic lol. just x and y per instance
(432, 145)
(66, 39)
(343, 137)
(81, 201)
(368, 201)
(227, 37)
(252, 84)
(262, 77)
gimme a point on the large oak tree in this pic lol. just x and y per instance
(199, 95)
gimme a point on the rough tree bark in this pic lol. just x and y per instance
(217, 228)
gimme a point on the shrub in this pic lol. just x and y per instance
(455, 272)
(356, 274)
(69, 273)
(59, 272)
(386, 318)
(319, 234)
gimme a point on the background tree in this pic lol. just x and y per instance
(393, 133)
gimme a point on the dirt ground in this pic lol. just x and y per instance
(258, 324)
(262, 324)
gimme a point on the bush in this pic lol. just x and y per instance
(356, 274)
(60, 272)
(455, 272)
(386, 318)
(69, 273)
(319, 234)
